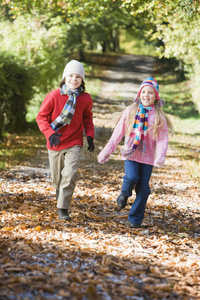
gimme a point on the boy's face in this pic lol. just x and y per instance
(147, 96)
(73, 81)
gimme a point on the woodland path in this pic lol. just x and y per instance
(97, 256)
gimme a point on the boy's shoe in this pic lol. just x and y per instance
(63, 214)
(133, 225)
(122, 201)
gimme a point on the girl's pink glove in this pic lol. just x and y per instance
(159, 161)
(104, 155)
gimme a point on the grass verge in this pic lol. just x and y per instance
(186, 120)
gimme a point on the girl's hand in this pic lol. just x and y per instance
(104, 155)
(159, 161)
(102, 160)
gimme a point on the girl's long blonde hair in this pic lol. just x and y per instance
(159, 119)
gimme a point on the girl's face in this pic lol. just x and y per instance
(147, 96)
(73, 81)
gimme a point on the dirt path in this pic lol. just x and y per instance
(96, 255)
(120, 85)
(123, 80)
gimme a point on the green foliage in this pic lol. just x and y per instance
(186, 119)
(16, 91)
(133, 42)
(89, 22)
(175, 27)
(195, 85)
(40, 47)
(45, 33)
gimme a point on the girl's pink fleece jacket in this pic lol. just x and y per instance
(72, 134)
(155, 149)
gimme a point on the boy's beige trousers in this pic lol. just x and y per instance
(63, 167)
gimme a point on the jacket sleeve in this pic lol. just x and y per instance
(115, 139)
(118, 133)
(88, 120)
(43, 118)
(161, 146)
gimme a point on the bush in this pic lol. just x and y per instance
(16, 88)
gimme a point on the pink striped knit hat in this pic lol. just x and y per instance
(154, 84)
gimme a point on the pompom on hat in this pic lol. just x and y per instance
(154, 84)
(74, 66)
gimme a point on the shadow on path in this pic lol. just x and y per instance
(120, 84)
(122, 81)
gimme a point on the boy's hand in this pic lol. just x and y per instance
(54, 139)
(90, 144)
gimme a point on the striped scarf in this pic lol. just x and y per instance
(140, 126)
(68, 110)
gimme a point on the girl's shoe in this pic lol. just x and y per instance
(122, 201)
(133, 225)
(63, 214)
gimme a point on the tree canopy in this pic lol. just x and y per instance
(174, 23)
(40, 31)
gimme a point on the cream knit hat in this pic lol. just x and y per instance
(74, 66)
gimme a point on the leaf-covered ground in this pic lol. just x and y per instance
(96, 255)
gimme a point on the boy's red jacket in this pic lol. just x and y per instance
(71, 134)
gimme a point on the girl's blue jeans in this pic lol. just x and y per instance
(137, 175)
